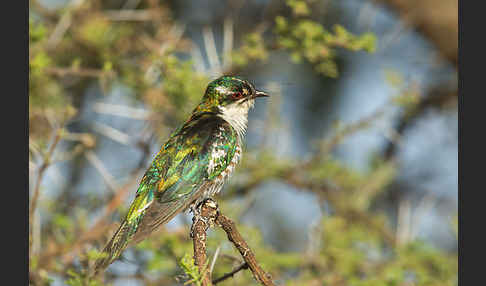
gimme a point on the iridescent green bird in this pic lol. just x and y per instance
(191, 166)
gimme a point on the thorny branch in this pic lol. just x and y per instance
(208, 214)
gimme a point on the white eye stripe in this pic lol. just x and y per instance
(240, 80)
(222, 89)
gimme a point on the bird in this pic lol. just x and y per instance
(191, 166)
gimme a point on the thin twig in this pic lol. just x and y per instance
(131, 15)
(211, 52)
(198, 60)
(131, 4)
(113, 133)
(404, 222)
(81, 72)
(35, 197)
(215, 257)
(175, 35)
(100, 167)
(230, 274)
(121, 110)
(63, 24)
(425, 205)
(227, 42)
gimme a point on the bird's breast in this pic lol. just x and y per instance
(220, 179)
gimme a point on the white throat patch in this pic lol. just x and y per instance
(236, 114)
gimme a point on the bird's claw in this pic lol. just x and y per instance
(196, 210)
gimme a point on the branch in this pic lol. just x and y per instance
(205, 216)
(81, 72)
(202, 220)
(133, 15)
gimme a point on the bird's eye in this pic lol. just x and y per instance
(237, 95)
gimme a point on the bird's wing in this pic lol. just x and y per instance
(195, 154)
(202, 150)
(199, 152)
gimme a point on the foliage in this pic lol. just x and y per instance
(308, 39)
(253, 49)
(77, 279)
(352, 254)
(187, 264)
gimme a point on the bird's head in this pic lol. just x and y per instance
(232, 92)
(231, 98)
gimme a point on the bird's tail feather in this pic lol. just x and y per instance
(114, 247)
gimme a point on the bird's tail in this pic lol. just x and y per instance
(114, 247)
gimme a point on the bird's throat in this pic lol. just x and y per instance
(236, 115)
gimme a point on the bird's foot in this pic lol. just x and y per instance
(205, 212)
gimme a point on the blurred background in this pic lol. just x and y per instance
(349, 171)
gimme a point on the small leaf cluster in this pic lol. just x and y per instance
(191, 270)
(253, 49)
(308, 39)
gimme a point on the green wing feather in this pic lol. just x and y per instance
(177, 174)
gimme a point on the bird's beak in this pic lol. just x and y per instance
(261, 94)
